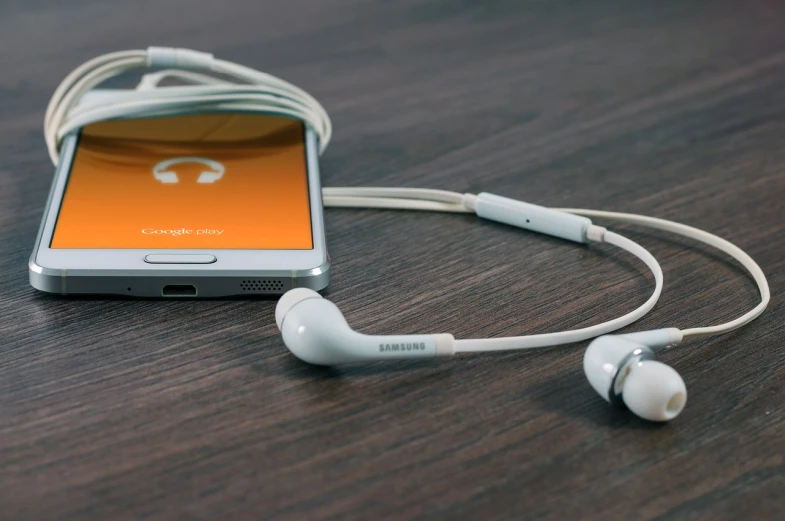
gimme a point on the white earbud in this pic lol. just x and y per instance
(315, 331)
(622, 369)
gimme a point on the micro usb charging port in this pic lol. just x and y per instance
(179, 290)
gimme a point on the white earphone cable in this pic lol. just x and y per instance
(439, 200)
(253, 91)
(261, 92)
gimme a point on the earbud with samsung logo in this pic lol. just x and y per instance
(316, 332)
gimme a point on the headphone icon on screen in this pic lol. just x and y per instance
(162, 173)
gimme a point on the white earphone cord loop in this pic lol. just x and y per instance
(256, 91)
(262, 92)
(706, 238)
(440, 200)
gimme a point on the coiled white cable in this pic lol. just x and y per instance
(253, 91)
(261, 92)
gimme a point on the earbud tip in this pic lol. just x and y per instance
(290, 299)
(654, 391)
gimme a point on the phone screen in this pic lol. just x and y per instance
(204, 181)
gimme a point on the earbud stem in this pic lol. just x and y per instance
(316, 332)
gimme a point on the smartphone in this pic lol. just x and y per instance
(196, 205)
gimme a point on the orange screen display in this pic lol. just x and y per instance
(205, 181)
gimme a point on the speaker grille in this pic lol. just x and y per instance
(262, 285)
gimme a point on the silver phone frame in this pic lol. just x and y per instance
(124, 271)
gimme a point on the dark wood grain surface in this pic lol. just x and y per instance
(122, 409)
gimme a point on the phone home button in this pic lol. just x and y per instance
(180, 259)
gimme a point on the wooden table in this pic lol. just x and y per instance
(123, 409)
